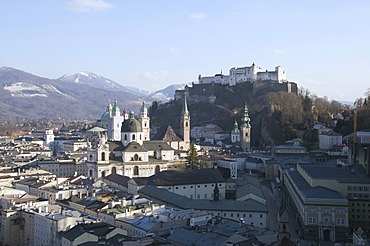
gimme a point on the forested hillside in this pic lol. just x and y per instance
(275, 116)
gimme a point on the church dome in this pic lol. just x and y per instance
(131, 125)
(105, 116)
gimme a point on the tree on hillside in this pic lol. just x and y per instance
(310, 138)
(193, 159)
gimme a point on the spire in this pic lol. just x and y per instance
(245, 120)
(109, 107)
(143, 109)
(185, 108)
(236, 128)
(236, 124)
(116, 111)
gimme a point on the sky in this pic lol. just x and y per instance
(324, 45)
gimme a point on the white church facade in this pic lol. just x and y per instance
(122, 144)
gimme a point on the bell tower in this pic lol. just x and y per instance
(185, 123)
(245, 131)
(144, 122)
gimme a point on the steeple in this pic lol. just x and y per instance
(125, 114)
(185, 122)
(116, 111)
(109, 108)
(245, 130)
(115, 123)
(246, 120)
(145, 122)
(143, 111)
(185, 106)
(235, 133)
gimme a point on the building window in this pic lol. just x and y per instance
(198, 196)
(312, 220)
(133, 136)
(125, 137)
(136, 170)
(250, 215)
(205, 196)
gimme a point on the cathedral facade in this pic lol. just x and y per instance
(122, 144)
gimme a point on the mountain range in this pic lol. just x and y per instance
(82, 95)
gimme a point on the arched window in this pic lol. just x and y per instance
(187, 124)
(144, 124)
(246, 134)
(103, 156)
(91, 173)
(103, 174)
(157, 169)
(91, 157)
(136, 157)
(114, 170)
(133, 136)
(140, 136)
(136, 170)
(125, 136)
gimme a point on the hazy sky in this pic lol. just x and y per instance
(324, 45)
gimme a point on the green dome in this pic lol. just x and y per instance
(105, 116)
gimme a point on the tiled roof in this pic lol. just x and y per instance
(172, 199)
(186, 176)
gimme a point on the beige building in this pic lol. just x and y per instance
(322, 213)
(350, 183)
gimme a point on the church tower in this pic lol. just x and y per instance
(97, 153)
(115, 124)
(125, 114)
(48, 137)
(145, 122)
(185, 123)
(235, 133)
(245, 131)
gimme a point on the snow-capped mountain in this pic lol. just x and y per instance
(168, 93)
(26, 95)
(94, 80)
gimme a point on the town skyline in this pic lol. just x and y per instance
(151, 45)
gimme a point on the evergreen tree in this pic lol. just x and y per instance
(193, 159)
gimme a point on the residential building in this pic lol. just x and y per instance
(191, 183)
(328, 139)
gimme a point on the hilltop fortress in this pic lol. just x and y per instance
(257, 81)
(244, 74)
